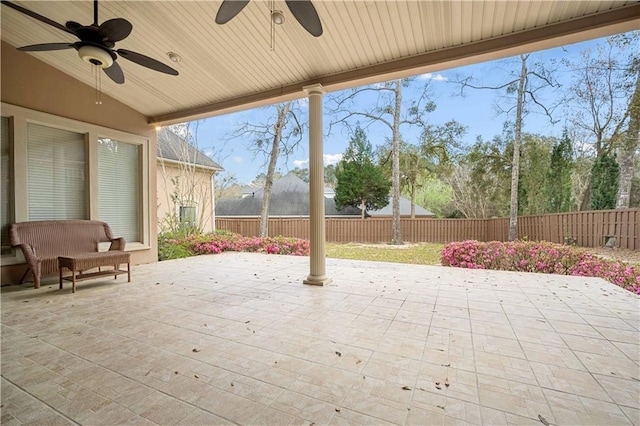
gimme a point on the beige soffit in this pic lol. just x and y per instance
(230, 67)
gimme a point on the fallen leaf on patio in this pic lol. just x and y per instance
(338, 353)
(196, 376)
(406, 388)
(438, 387)
(35, 337)
(195, 350)
(423, 389)
(231, 383)
(440, 406)
(358, 361)
(157, 283)
(337, 410)
(543, 420)
(175, 372)
(26, 301)
(247, 322)
(446, 382)
(437, 383)
(148, 372)
(205, 324)
(446, 365)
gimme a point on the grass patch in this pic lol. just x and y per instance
(417, 254)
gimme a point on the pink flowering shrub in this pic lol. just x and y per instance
(541, 257)
(220, 241)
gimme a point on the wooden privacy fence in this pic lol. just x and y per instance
(588, 228)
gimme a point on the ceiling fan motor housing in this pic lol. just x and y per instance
(96, 56)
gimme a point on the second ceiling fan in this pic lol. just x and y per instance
(303, 10)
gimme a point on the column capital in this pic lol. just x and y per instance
(314, 89)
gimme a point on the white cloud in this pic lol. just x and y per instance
(434, 77)
(328, 159)
(332, 158)
(238, 159)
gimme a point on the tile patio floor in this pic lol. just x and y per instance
(237, 339)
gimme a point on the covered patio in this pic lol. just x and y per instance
(236, 339)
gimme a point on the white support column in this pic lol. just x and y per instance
(317, 276)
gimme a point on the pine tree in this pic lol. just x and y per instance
(361, 183)
(604, 182)
(558, 182)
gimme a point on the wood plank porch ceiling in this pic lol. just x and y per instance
(230, 67)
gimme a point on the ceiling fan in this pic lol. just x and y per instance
(97, 43)
(302, 10)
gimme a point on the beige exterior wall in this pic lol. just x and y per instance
(194, 185)
(32, 91)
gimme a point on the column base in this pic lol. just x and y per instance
(317, 280)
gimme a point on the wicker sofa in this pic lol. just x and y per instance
(42, 242)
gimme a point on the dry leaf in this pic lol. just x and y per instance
(337, 410)
(423, 389)
(440, 406)
(406, 388)
(231, 383)
(543, 420)
(195, 350)
(338, 353)
(446, 365)
(247, 322)
(175, 372)
(446, 382)
(437, 383)
(438, 387)
(196, 376)
(358, 361)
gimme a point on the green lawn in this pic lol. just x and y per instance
(419, 254)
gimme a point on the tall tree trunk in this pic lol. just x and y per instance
(413, 201)
(396, 232)
(363, 209)
(283, 110)
(515, 168)
(627, 151)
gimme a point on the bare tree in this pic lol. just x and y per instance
(387, 111)
(603, 104)
(280, 135)
(526, 86)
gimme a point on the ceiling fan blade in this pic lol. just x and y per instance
(45, 47)
(229, 9)
(115, 73)
(115, 29)
(306, 14)
(73, 26)
(146, 61)
(37, 16)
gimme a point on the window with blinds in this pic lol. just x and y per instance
(119, 189)
(6, 170)
(56, 181)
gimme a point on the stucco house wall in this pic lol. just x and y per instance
(34, 92)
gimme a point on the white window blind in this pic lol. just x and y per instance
(6, 209)
(119, 187)
(56, 181)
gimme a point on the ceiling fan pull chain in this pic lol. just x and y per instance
(272, 25)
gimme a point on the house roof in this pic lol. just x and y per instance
(172, 147)
(290, 197)
(231, 67)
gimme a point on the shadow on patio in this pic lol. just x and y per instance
(237, 338)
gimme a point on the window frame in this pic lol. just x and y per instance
(20, 117)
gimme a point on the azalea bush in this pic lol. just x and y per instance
(173, 247)
(541, 257)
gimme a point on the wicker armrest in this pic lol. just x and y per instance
(117, 244)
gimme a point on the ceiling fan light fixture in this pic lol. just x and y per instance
(95, 56)
(277, 17)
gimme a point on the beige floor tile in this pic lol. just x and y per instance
(367, 349)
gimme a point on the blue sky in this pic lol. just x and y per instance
(476, 110)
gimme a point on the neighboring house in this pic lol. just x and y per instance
(185, 184)
(290, 197)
